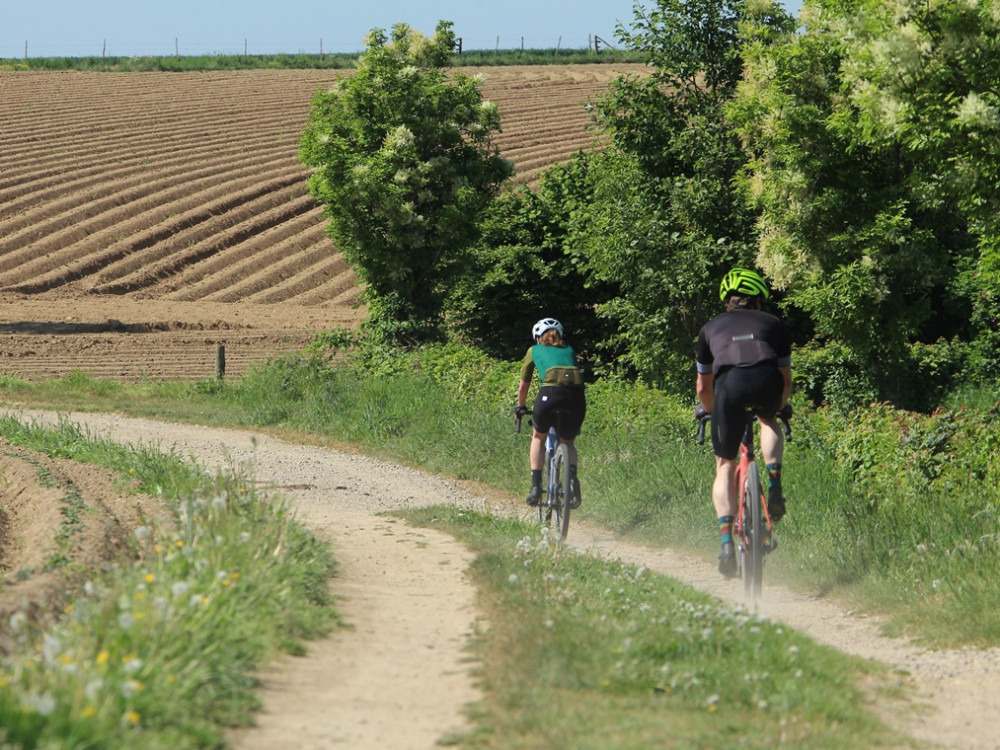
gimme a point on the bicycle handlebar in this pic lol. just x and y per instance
(517, 418)
(703, 419)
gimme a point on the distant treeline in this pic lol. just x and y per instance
(181, 63)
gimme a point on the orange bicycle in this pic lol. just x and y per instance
(752, 526)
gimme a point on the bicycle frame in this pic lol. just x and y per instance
(554, 507)
(752, 525)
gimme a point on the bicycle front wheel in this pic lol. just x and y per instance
(559, 500)
(752, 541)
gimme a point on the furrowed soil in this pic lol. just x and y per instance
(150, 222)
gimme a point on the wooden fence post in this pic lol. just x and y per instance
(220, 362)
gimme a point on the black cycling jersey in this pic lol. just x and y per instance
(742, 338)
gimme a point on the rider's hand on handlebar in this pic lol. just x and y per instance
(700, 413)
(785, 412)
(520, 411)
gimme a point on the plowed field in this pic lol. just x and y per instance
(146, 219)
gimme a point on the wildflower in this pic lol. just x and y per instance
(219, 502)
(93, 689)
(132, 717)
(102, 658)
(149, 578)
(512, 578)
(17, 621)
(132, 688)
(131, 664)
(142, 533)
(126, 620)
(51, 648)
(180, 588)
(44, 704)
(88, 712)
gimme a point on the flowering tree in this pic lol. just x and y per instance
(404, 164)
(873, 160)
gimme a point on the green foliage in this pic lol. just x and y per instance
(522, 270)
(872, 136)
(404, 165)
(659, 221)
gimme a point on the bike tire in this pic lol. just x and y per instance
(561, 495)
(752, 543)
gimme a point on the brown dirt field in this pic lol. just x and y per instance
(148, 218)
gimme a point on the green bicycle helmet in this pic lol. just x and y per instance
(745, 282)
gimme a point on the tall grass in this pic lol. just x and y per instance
(916, 540)
(643, 474)
(160, 650)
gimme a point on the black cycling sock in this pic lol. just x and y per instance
(536, 477)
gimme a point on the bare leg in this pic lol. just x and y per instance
(772, 441)
(536, 454)
(572, 451)
(724, 495)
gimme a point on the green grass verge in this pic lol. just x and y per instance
(586, 653)
(160, 650)
(919, 552)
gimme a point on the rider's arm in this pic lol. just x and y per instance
(705, 389)
(527, 370)
(522, 392)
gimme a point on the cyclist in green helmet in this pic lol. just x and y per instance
(743, 360)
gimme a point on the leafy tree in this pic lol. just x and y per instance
(873, 162)
(404, 164)
(520, 271)
(664, 219)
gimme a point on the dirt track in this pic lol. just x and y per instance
(402, 678)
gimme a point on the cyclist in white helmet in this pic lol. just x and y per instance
(561, 390)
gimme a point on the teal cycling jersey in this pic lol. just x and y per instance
(547, 358)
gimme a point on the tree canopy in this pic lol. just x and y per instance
(404, 165)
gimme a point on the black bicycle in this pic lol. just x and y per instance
(753, 527)
(559, 499)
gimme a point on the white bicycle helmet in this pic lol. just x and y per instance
(546, 324)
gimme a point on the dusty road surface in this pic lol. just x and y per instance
(399, 677)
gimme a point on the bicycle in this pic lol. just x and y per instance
(752, 526)
(555, 507)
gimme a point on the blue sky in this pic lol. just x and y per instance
(79, 28)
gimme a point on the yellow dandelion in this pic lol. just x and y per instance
(606, 683)
(713, 708)
(89, 711)
(150, 577)
(132, 717)
(180, 542)
(102, 658)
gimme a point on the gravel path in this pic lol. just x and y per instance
(399, 677)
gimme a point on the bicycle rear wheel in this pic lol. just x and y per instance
(752, 541)
(559, 500)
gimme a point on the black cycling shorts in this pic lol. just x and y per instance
(759, 387)
(570, 401)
